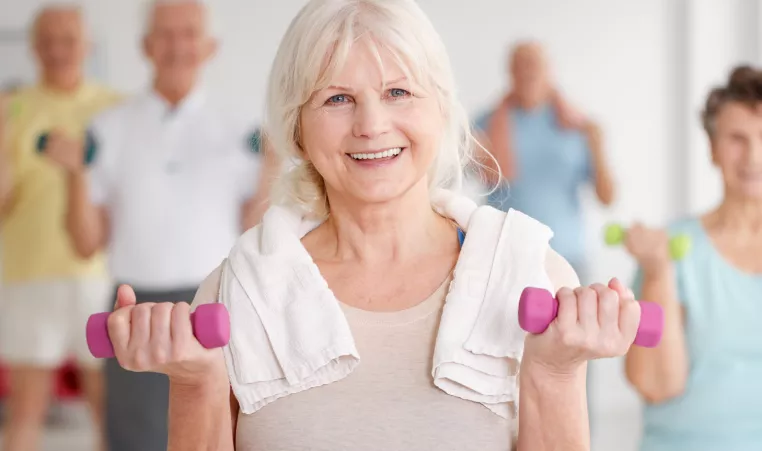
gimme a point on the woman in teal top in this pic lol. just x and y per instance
(703, 384)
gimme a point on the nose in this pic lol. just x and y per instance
(371, 119)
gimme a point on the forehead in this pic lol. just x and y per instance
(171, 14)
(59, 21)
(365, 62)
(739, 115)
(528, 53)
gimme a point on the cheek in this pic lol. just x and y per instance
(424, 128)
(322, 134)
(728, 157)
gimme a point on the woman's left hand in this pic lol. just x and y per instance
(593, 322)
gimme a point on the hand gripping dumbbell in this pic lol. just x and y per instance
(210, 322)
(90, 146)
(679, 245)
(538, 308)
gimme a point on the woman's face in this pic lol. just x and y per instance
(372, 135)
(737, 150)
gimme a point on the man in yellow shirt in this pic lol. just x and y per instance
(48, 291)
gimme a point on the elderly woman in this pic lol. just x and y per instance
(341, 338)
(701, 385)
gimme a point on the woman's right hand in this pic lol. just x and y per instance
(650, 247)
(158, 337)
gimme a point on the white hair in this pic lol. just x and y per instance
(149, 9)
(329, 28)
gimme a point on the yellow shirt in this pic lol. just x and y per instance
(35, 243)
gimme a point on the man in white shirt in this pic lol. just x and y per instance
(171, 187)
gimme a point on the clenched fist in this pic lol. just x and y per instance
(158, 337)
(65, 151)
(650, 247)
(593, 322)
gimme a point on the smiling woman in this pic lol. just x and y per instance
(387, 78)
(362, 254)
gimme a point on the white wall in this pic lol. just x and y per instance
(642, 68)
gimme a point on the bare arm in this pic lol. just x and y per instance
(660, 373)
(6, 181)
(202, 417)
(603, 179)
(553, 408)
(87, 224)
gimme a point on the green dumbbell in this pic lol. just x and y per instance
(679, 245)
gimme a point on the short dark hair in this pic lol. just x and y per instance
(744, 86)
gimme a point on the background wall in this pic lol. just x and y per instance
(641, 68)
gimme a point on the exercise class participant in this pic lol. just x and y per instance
(337, 298)
(48, 291)
(701, 385)
(546, 152)
(167, 195)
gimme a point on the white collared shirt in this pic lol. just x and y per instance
(173, 182)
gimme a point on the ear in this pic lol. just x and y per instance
(713, 151)
(146, 46)
(211, 48)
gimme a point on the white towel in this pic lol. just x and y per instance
(289, 334)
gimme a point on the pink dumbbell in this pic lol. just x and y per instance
(538, 308)
(210, 322)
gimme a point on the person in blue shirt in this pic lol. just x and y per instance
(701, 386)
(545, 152)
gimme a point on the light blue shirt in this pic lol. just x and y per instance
(551, 165)
(721, 408)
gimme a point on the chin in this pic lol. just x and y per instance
(382, 193)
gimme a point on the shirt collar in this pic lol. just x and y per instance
(192, 102)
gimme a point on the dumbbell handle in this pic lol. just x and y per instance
(210, 322)
(538, 308)
(679, 245)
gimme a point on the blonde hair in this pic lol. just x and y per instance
(329, 28)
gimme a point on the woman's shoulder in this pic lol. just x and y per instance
(208, 291)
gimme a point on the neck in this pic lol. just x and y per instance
(389, 232)
(739, 214)
(59, 83)
(171, 91)
(531, 102)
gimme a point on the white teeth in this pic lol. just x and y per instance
(371, 156)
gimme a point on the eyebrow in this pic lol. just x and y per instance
(347, 88)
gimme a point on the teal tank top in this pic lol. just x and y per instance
(721, 408)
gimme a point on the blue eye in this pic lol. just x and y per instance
(396, 92)
(339, 98)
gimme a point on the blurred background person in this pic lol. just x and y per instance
(48, 290)
(546, 152)
(701, 385)
(168, 193)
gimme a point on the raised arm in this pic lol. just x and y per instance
(87, 223)
(602, 176)
(660, 373)
(6, 172)
(592, 322)
(159, 338)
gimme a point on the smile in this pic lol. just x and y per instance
(377, 155)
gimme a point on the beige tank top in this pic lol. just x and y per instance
(388, 403)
